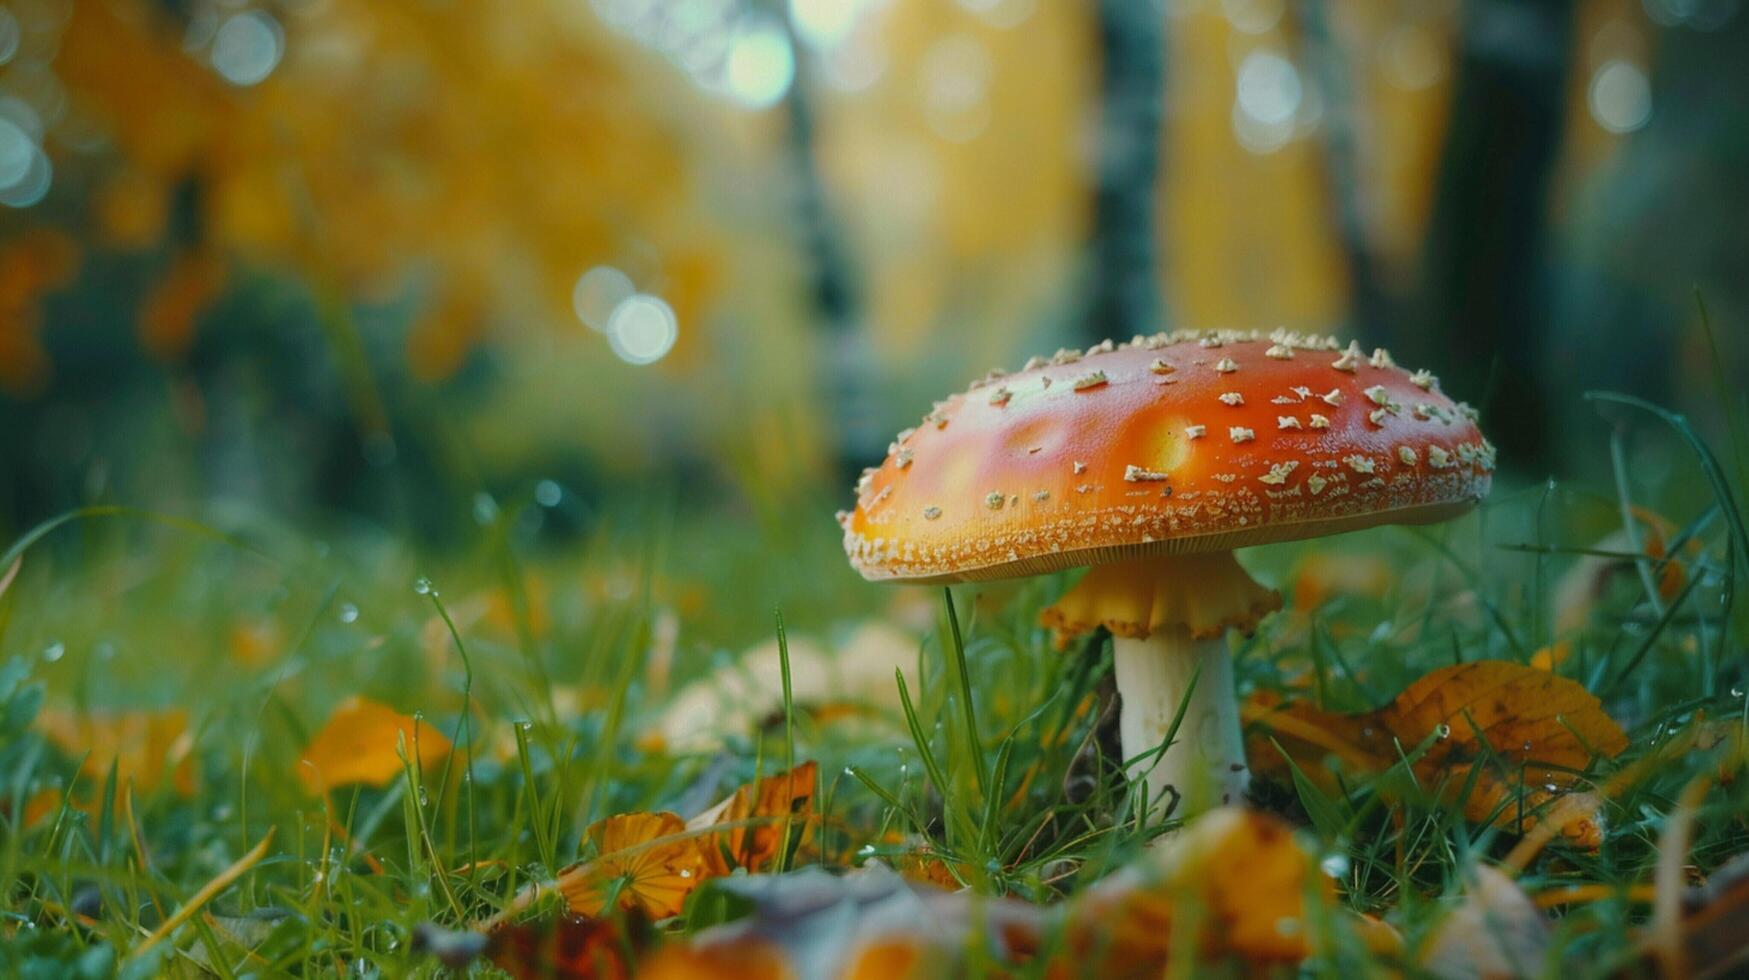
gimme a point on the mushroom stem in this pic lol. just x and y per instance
(1205, 764)
(1169, 616)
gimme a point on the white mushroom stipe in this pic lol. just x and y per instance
(1205, 765)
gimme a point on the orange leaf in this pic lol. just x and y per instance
(644, 861)
(1527, 716)
(777, 802)
(145, 747)
(1532, 730)
(359, 745)
(1240, 876)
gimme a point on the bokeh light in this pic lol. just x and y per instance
(247, 47)
(642, 329)
(1620, 97)
(761, 64)
(598, 293)
(1267, 96)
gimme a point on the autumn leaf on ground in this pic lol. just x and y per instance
(145, 747)
(359, 744)
(1495, 931)
(867, 924)
(1235, 879)
(644, 861)
(1531, 732)
(780, 804)
(1714, 922)
(570, 947)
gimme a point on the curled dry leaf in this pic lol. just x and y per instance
(1531, 732)
(1494, 932)
(644, 861)
(147, 748)
(776, 811)
(360, 744)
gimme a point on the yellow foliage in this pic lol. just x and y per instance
(1529, 731)
(644, 861)
(1237, 877)
(362, 743)
(147, 748)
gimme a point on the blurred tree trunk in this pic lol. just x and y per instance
(1124, 286)
(1485, 297)
(846, 375)
(1372, 315)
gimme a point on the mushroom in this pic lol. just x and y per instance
(1190, 446)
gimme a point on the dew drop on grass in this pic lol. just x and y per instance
(1442, 731)
(485, 508)
(1551, 787)
(424, 797)
(1336, 865)
(54, 652)
(1736, 692)
(423, 586)
(348, 613)
(848, 771)
(866, 850)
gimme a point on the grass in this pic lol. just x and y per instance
(555, 659)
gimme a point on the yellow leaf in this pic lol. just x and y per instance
(1237, 877)
(145, 747)
(359, 745)
(644, 861)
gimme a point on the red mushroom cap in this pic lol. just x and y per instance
(1173, 444)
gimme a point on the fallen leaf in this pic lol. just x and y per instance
(1240, 879)
(740, 959)
(740, 697)
(644, 861)
(868, 923)
(1715, 922)
(569, 947)
(779, 805)
(1531, 731)
(360, 744)
(1495, 932)
(145, 747)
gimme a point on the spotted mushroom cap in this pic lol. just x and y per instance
(1172, 444)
